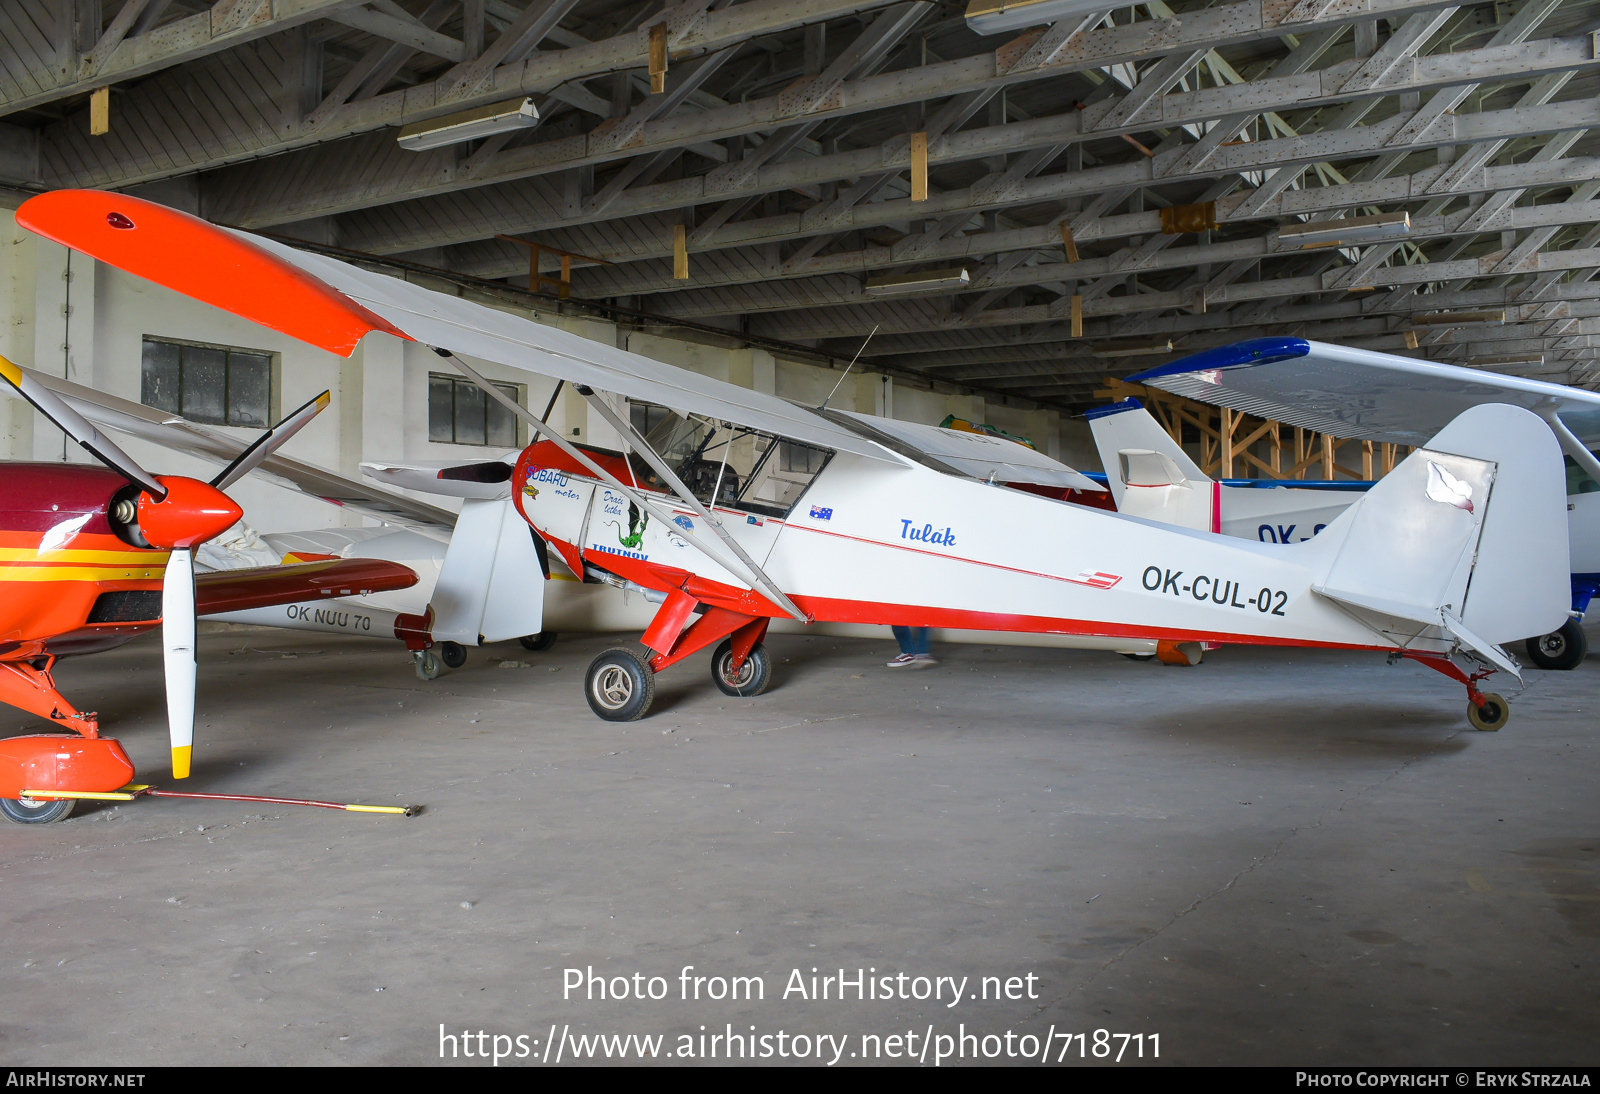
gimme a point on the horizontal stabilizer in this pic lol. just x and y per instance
(1492, 653)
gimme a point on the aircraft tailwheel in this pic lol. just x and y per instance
(1492, 716)
(619, 686)
(537, 642)
(1561, 649)
(453, 654)
(24, 811)
(427, 665)
(751, 679)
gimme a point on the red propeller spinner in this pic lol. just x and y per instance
(191, 513)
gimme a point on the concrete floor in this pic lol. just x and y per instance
(1279, 857)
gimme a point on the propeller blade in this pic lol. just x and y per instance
(269, 442)
(78, 428)
(177, 640)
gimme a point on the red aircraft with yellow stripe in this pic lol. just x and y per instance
(91, 557)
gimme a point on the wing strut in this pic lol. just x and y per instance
(542, 429)
(1572, 446)
(626, 429)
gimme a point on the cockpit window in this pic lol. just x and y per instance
(1578, 480)
(738, 467)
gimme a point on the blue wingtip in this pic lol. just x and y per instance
(1257, 351)
(1115, 408)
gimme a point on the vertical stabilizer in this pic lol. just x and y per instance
(1148, 473)
(1467, 534)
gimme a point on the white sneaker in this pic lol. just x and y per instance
(923, 660)
(903, 660)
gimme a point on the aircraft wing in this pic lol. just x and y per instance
(264, 586)
(182, 435)
(484, 479)
(980, 455)
(333, 304)
(1359, 393)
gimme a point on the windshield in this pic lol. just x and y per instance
(738, 467)
(1578, 480)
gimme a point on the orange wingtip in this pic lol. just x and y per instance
(200, 260)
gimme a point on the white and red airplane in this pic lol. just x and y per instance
(742, 507)
(1344, 392)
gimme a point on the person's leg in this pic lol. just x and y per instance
(904, 636)
(920, 641)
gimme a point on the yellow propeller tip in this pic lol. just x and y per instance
(180, 761)
(11, 372)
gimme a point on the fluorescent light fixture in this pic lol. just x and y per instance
(469, 125)
(1523, 360)
(1341, 233)
(922, 281)
(1132, 349)
(1000, 16)
(1457, 318)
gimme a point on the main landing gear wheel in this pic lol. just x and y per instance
(1493, 715)
(1140, 656)
(31, 812)
(751, 679)
(619, 686)
(427, 665)
(453, 654)
(1562, 649)
(537, 642)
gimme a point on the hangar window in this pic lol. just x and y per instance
(215, 385)
(460, 413)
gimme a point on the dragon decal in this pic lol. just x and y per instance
(638, 521)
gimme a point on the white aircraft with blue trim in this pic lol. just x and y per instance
(740, 508)
(1347, 393)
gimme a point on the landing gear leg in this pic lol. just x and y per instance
(1487, 711)
(32, 689)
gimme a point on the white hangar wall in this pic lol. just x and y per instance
(65, 314)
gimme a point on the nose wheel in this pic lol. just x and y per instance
(619, 686)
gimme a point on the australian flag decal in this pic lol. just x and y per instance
(819, 513)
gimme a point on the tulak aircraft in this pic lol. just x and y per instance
(91, 557)
(741, 507)
(1342, 392)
